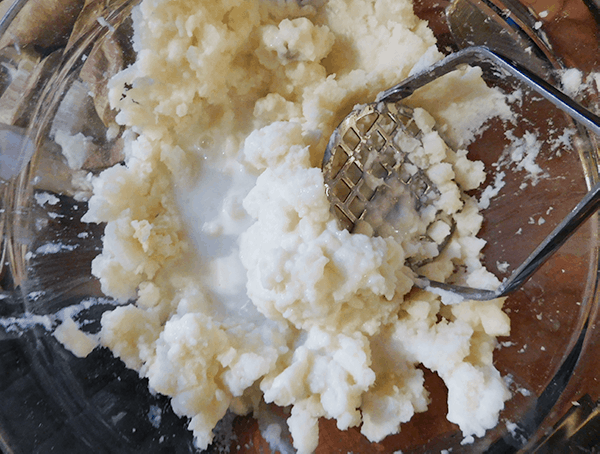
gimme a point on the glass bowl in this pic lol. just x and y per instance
(56, 61)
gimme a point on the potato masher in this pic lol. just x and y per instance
(349, 158)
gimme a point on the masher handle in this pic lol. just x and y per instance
(482, 56)
(582, 211)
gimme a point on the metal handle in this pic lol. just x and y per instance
(584, 209)
(480, 56)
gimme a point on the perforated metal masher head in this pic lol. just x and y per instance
(362, 157)
(370, 178)
(367, 170)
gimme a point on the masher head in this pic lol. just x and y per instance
(373, 185)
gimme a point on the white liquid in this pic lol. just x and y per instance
(213, 213)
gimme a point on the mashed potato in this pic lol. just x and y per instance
(237, 283)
